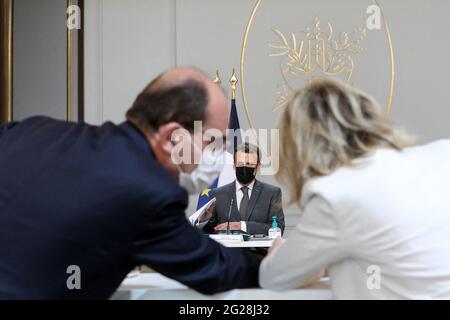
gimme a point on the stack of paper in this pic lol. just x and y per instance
(196, 217)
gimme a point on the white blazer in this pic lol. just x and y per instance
(383, 228)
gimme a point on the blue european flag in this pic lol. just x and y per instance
(205, 196)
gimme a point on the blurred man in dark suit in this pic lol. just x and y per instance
(101, 200)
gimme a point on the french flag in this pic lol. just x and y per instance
(227, 175)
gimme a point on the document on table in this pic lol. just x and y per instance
(196, 217)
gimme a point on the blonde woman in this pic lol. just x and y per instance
(375, 209)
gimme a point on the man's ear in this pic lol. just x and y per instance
(165, 134)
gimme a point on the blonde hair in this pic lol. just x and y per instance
(327, 125)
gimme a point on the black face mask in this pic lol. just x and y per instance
(245, 175)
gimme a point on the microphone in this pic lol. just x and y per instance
(229, 216)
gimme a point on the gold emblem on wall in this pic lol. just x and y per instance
(319, 49)
(319, 53)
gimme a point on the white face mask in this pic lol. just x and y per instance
(205, 173)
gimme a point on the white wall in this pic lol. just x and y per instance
(127, 44)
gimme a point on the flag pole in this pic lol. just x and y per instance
(233, 81)
(217, 79)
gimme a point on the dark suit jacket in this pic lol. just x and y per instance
(95, 197)
(265, 202)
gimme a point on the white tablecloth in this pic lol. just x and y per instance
(154, 286)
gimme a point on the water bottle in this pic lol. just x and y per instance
(274, 232)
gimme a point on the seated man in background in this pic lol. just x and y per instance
(253, 203)
(102, 200)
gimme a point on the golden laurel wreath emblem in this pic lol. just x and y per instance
(319, 53)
